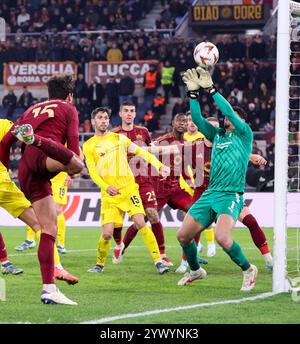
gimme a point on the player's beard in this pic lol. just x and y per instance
(129, 121)
(102, 129)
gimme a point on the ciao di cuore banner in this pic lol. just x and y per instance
(105, 70)
(34, 74)
(83, 210)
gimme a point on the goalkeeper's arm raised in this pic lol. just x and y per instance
(205, 81)
(227, 110)
(192, 81)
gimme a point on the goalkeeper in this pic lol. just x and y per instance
(222, 202)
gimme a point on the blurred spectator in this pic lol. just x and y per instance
(112, 93)
(257, 48)
(237, 49)
(167, 78)
(96, 93)
(87, 126)
(126, 87)
(114, 54)
(84, 110)
(269, 129)
(238, 94)
(81, 87)
(180, 107)
(25, 99)
(151, 120)
(159, 105)
(9, 103)
(250, 92)
(150, 83)
(23, 19)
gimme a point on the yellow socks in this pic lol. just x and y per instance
(151, 243)
(61, 230)
(210, 235)
(103, 249)
(30, 234)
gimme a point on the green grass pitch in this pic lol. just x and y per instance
(134, 286)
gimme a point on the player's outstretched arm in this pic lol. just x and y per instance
(193, 83)
(257, 159)
(150, 158)
(225, 107)
(228, 111)
(164, 150)
(91, 166)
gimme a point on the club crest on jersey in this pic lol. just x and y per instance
(139, 137)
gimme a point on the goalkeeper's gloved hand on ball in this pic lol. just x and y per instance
(198, 78)
(191, 79)
(205, 80)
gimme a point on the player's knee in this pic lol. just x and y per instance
(182, 237)
(75, 166)
(139, 224)
(222, 239)
(152, 215)
(107, 236)
(49, 228)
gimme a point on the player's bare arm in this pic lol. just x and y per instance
(257, 159)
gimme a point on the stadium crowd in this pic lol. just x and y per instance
(245, 75)
(61, 15)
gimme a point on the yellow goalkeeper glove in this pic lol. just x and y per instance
(191, 79)
(204, 79)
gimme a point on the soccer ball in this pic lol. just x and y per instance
(206, 54)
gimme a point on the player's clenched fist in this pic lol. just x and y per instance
(112, 191)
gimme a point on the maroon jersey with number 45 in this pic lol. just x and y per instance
(55, 119)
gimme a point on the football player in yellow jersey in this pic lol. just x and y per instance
(60, 184)
(106, 159)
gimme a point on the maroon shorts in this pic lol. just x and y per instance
(33, 175)
(178, 199)
(148, 196)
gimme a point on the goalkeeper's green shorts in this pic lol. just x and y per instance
(214, 203)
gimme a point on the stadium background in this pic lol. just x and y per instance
(97, 40)
(109, 51)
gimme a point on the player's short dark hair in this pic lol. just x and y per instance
(60, 86)
(241, 112)
(212, 119)
(127, 103)
(188, 113)
(179, 114)
(101, 109)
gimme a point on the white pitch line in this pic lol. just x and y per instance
(175, 309)
(111, 249)
(95, 249)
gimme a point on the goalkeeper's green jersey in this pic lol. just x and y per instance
(231, 149)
